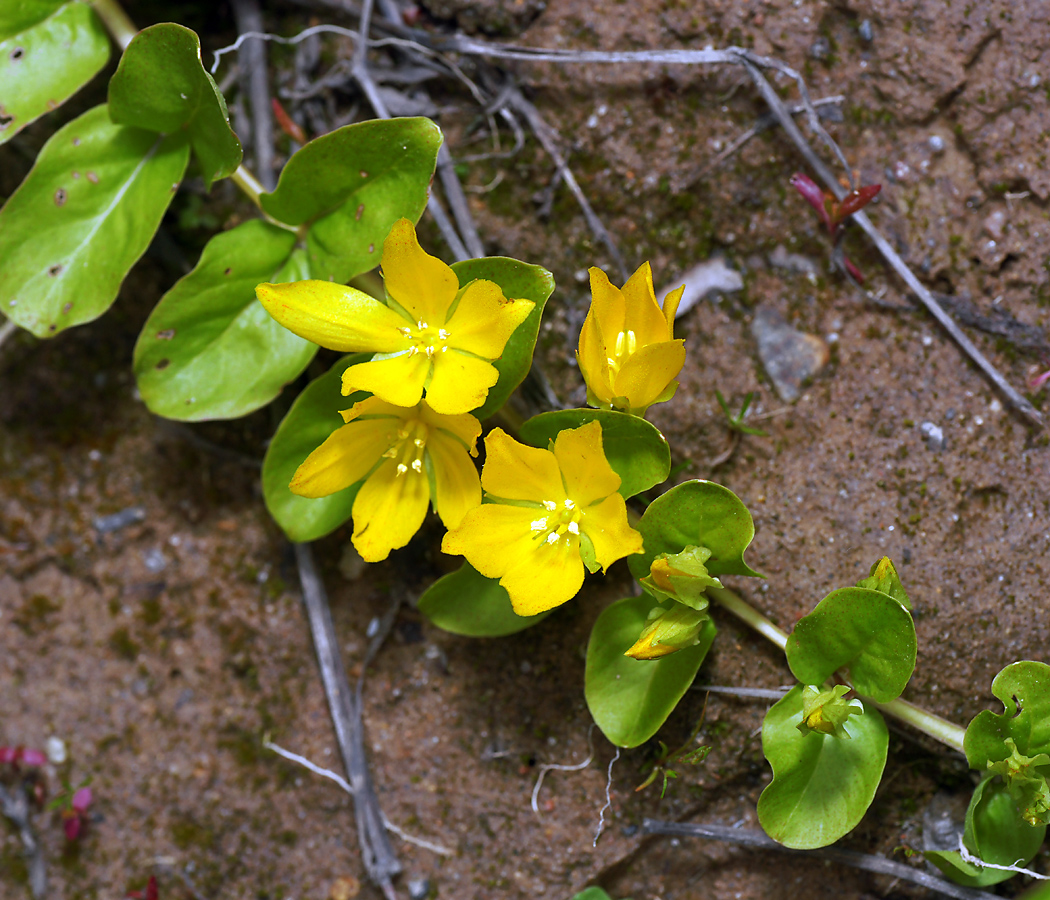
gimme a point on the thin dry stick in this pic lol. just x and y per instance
(378, 856)
(253, 64)
(545, 134)
(14, 805)
(870, 863)
(6, 330)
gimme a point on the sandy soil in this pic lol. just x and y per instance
(163, 652)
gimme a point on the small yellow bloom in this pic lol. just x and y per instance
(435, 335)
(825, 711)
(628, 354)
(407, 458)
(549, 512)
(681, 576)
(668, 631)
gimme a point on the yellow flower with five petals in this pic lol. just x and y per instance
(628, 353)
(549, 512)
(407, 458)
(435, 335)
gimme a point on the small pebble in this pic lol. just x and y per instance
(789, 357)
(55, 748)
(865, 32)
(933, 435)
(418, 888)
(345, 888)
(155, 560)
(820, 48)
(629, 830)
(936, 143)
(115, 522)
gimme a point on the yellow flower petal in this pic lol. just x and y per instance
(586, 472)
(373, 406)
(592, 360)
(419, 282)
(492, 536)
(460, 383)
(611, 534)
(334, 316)
(552, 574)
(647, 374)
(484, 319)
(671, 302)
(514, 471)
(456, 482)
(463, 426)
(607, 304)
(347, 456)
(388, 510)
(398, 380)
(641, 313)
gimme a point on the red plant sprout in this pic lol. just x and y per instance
(833, 212)
(1036, 381)
(150, 893)
(22, 756)
(74, 818)
(287, 124)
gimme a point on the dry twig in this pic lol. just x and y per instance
(14, 806)
(754, 838)
(378, 856)
(255, 79)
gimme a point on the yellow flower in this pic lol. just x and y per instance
(434, 335)
(628, 355)
(549, 513)
(407, 457)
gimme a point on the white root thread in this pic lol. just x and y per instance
(555, 767)
(608, 799)
(977, 861)
(345, 785)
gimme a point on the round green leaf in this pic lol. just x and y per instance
(49, 49)
(1024, 689)
(697, 514)
(209, 350)
(636, 449)
(466, 602)
(161, 85)
(312, 418)
(822, 785)
(85, 213)
(351, 185)
(994, 833)
(865, 631)
(519, 281)
(631, 698)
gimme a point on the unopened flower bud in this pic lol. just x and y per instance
(668, 631)
(825, 711)
(682, 577)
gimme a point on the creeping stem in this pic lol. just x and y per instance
(948, 733)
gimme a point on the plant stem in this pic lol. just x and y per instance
(748, 614)
(116, 21)
(948, 733)
(248, 183)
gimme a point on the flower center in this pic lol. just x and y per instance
(561, 523)
(425, 339)
(408, 448)
(625, 346)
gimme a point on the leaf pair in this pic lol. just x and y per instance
(823, 783)
(91, 204)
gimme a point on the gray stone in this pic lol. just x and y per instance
(789, 356)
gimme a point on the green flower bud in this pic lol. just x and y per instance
(1026, 779)
(825, 711)
(682, 577)
(668, 630)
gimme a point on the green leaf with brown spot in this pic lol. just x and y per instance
(209, 350)
(350, 186)
(85, 213)
(49, 49)
(161, 85)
